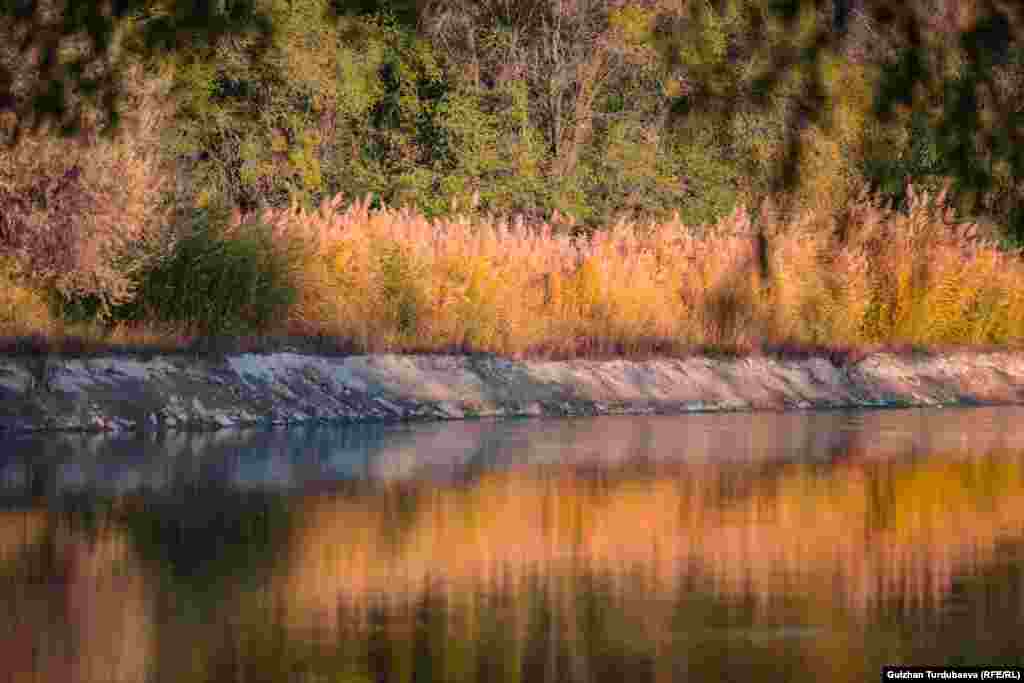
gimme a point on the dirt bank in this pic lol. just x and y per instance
(168, 392)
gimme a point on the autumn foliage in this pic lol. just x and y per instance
(539, 177)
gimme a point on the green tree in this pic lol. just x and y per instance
(62, 61)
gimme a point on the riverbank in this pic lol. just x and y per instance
(119, 393)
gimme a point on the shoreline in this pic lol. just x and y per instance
(117, 393)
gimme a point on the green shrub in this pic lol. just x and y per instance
(402, 298)
(220, 278)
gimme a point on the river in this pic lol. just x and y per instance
(748, 546)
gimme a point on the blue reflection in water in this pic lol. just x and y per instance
(311, 455)
(702, 547)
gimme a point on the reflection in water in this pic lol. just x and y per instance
(589, 550)
(74, 607)
(309, 456)
(864, 534)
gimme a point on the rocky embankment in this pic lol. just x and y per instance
(172, 392)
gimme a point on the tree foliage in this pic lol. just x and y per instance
(592, 108)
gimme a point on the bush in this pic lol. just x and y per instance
(220, 278)
(78, 215)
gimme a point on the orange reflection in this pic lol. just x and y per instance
(858, 534)
(78, 607)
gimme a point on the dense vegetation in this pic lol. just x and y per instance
(570, 175)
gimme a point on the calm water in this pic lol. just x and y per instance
(707, 547)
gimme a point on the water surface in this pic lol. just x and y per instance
(705, 547)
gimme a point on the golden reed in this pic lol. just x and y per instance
(392, 280)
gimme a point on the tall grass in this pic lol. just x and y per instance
(23, 310)
(393, 280)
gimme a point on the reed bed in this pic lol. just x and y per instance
(392, 280)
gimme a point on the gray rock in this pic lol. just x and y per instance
(124, 393)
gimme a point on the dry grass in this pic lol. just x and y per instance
(23, 311)
(392, 280)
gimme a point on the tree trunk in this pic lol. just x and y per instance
(575, 135)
